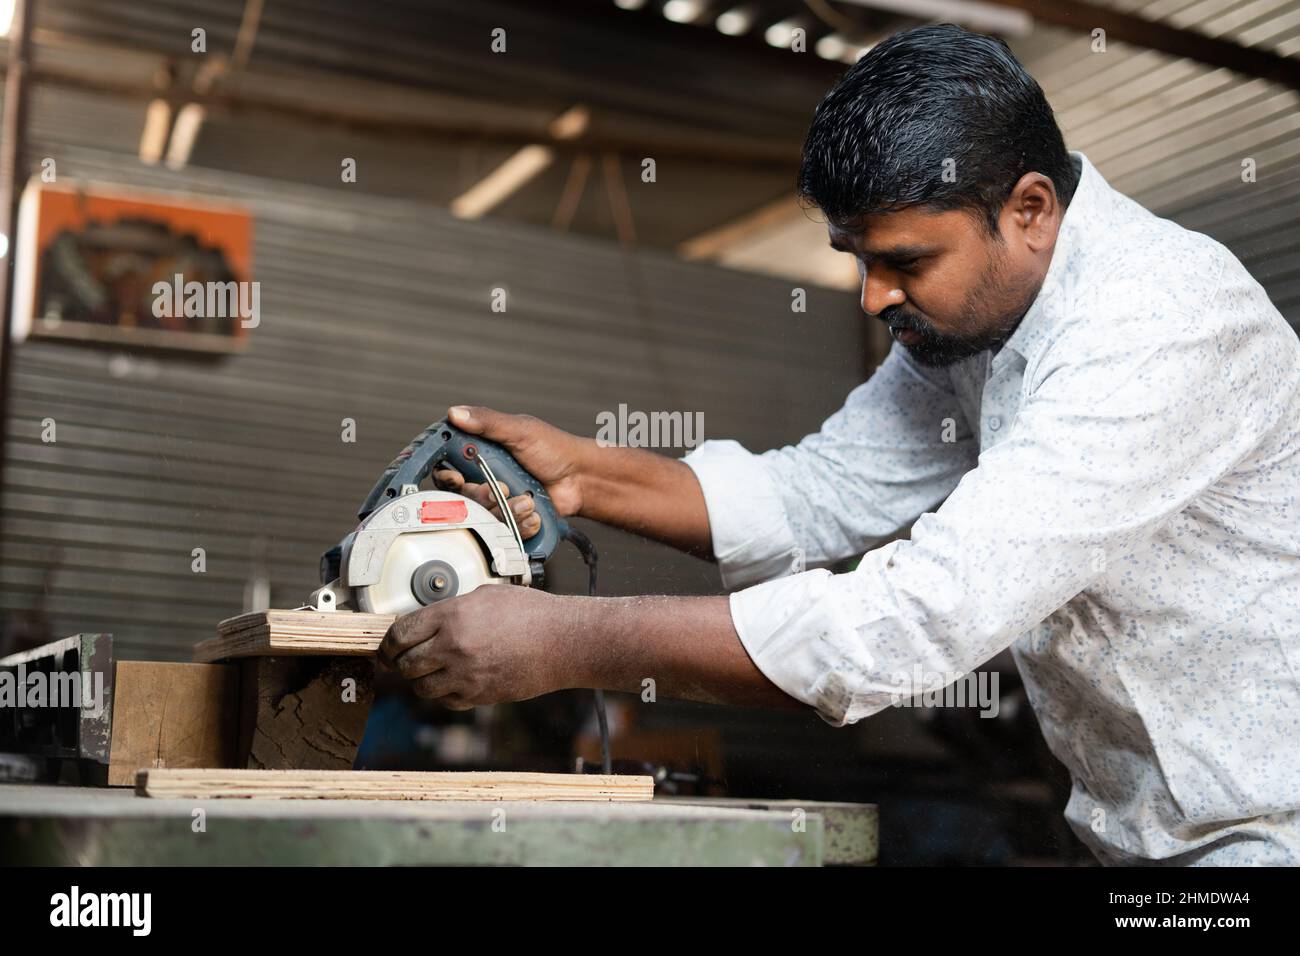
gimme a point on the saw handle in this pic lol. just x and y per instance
(444, 443)
(464, 452)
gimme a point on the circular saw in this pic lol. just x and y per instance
(413, 548)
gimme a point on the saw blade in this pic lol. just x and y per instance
(448, 563)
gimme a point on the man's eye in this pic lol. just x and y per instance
(908, 263)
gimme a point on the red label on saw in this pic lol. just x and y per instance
(437, 512)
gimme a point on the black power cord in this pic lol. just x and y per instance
(589, 557)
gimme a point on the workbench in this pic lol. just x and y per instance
(66, 825)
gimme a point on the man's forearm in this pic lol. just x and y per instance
(687, 645)
(648, 494)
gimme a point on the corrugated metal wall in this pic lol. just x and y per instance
(377, 310)
(1172, 133)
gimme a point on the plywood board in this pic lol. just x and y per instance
(391, 785)
(284, 633)
(169, 714)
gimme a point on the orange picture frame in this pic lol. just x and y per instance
(122, 266)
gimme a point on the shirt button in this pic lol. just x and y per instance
(995, 422)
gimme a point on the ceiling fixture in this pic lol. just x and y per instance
(157, 124)
(832, 47)
(189, 120)
(735, 22)
(781, 33)
(682, 11)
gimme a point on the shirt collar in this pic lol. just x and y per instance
(1049, 305)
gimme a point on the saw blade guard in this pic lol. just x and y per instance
(422, 548)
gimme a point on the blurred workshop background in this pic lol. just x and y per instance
(389, 175)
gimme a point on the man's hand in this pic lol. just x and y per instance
(498, 643)
(549, 454)
(503, 642)
(628, 488)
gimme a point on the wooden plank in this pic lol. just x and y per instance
(303, 713)
(391, 785)
(287, 633)
(172, 715)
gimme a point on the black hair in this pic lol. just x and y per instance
(880, 137)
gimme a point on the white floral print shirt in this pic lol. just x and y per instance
(1114, 495)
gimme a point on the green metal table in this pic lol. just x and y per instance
(58, 825)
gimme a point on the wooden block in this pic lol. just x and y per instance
(300, 713)
(172, 715)
(285, 633)
(391, 785)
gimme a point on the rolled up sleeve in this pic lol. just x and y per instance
(896, 449)
(752, 540)
(1105, 448)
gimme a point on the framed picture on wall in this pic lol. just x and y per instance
(117, 265)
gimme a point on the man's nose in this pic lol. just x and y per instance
(879, 292)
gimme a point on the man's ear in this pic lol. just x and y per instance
(1035, 211)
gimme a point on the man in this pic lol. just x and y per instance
(1093, 416)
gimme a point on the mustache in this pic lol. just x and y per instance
(899, 319)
